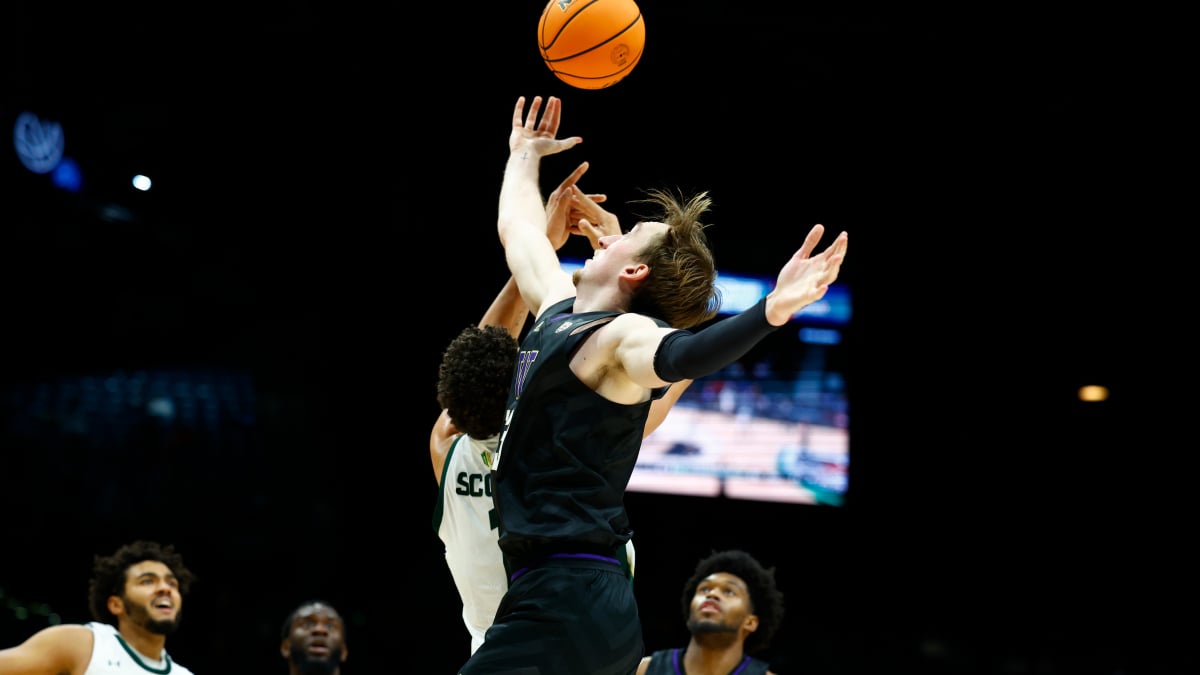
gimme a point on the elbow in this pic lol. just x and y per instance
(503, 226)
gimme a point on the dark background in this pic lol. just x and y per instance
(322, 223)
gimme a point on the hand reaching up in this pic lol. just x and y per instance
(569, 210)
(537, 136)
(806, 277)
(559, 207)
(589, 219)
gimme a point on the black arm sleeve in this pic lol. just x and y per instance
(686, 355)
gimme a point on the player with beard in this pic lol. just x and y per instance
(136, 597)
(314, 640)
(732, 609)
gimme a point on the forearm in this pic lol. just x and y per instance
(507, 309)
(661, 406)
(522, 226)
(686, 355)
(521, 206)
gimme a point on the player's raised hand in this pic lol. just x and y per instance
(589, 219)
(538, 134)
(806, 277)
(560, 208)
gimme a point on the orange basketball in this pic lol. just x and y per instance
(591, 44)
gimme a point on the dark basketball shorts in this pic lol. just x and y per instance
(564, 617)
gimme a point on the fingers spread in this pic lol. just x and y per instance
(519, 111)
(534, 108)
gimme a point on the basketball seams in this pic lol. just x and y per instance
(569, 76)
(594, 47)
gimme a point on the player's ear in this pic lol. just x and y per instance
(345, 651)
(751, 623)
(285, 649)
(116, 606)
(636, 272)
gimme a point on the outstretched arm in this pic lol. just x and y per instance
(50, 651)
(565, 208)
(652, 355)
(522, 223)
(507, 310)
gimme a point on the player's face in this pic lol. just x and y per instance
(721, 604)
(151, 598)
(316, 643)
(618, 251)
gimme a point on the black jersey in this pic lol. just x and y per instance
(670, 662)
(566, 453)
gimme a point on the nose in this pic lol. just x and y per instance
(607, 240)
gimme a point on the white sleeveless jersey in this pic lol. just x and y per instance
(112, 656)
(464, 519)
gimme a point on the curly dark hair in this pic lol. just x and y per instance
(474, 377)
(682, 286)
(108, 573)
(766, 601)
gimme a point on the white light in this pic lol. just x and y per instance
(141, 182)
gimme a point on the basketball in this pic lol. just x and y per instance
(591, 44)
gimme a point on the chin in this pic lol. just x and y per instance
(166, 627)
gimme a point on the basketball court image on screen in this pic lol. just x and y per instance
(753, 436)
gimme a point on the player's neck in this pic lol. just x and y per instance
(146, 644)
(712, 657)
(600, 299)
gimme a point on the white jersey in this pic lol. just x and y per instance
(111, 655)
(465, 520)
